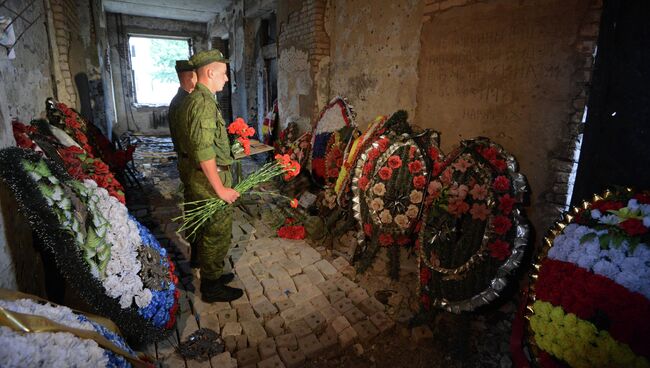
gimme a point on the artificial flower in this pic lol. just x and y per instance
(419, 181)
(379, 189)
(434, 189)
(457, 207)
(479, 192)
(367, 229)
(377, 204)
(402, 221)
(462, 165)
(501, 184)
(415, 196)
(385, 173)
(505, 203)
(479, 211)
(415, 166)
(386, 217)
(394, 162)
(385, 239)
(499, 249)
(412, 211)
(501, 224)
(294, 203)
(363, 183)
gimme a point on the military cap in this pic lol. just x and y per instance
(183, 66)
(202, 58)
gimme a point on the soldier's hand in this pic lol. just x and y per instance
(228, 195)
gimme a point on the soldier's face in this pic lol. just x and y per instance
(220, 76)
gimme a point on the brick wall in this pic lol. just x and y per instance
(304, 29)
(66, 26)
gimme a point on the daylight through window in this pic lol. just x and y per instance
(152, 61)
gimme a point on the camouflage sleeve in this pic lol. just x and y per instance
(221, 142)
(202, 127)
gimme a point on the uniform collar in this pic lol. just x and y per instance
(203, 89)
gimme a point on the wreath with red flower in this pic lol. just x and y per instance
(590, 297)
(336, 145)
(473, 231)
(388, 188)
(81, 166)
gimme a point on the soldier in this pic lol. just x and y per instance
(187, 80)
(204, 141)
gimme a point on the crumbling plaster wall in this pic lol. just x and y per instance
(25, 83)
(129, 116)
(516, 72)
(374, 51)
(302, 45)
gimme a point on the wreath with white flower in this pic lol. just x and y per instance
(388, 187)
(590, 294)
(71, 340)
(473, 233)
(103, 260)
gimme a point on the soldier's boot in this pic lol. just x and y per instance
(215, 291)
(223, 279)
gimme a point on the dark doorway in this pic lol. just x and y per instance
(615, 148)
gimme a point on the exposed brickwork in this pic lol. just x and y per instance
(305, 30)
(66, 24)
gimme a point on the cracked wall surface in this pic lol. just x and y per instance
(510, 71)
(374, 49)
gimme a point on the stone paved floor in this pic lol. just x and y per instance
(301, 306)
(297, 304)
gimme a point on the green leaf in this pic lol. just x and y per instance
(617, 239)
(634, 242)
(588, 237)
(604, 241)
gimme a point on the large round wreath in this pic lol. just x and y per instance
(473, 234)
(590, 293)
(111, 261)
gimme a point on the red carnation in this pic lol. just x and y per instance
(633, 227)
(367, 229)
(403, 240)
(383, 144)
(385, 173)
(415, 167)
(437, 168)
(394, 162)
(604, 206)
(419, 181)
(489, 153)
(385, 239)
(363, 183)
(643, 198)
(505, 204)
(294, 203)
(501, 183)
(367, 168)
(100, 168)
(499, 250)
(501, 224)
(425, 275)
(433, 153)
(499, 164)
(412, 151)
(373, 154)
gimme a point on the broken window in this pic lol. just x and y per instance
(152, 64)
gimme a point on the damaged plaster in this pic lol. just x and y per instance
(294, 81)
(374, 52)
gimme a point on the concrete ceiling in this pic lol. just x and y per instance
(190, 10)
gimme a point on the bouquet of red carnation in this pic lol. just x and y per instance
(198, 212)
(291, 230)
(243, 132)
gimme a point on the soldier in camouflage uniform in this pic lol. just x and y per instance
(187, 80)
(204, 140)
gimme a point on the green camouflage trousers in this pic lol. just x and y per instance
(213, 239)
